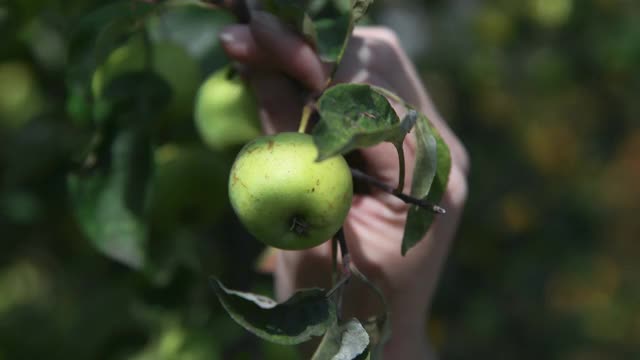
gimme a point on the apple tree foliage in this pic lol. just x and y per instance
(120, 171)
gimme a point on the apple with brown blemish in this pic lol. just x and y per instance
(284, 197)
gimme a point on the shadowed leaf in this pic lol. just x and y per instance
(108, 203)
(306, 314)
(433, 163)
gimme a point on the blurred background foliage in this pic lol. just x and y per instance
(542, 92)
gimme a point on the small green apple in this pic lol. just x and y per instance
(225, 112)
(188, 187)
(20, 96)
(286, 199)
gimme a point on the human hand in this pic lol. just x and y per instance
(282, 68)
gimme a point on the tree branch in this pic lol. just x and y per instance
(400, 195)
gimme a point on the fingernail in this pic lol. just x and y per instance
(226, 36)
(232, 42)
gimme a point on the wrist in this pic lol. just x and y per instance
(409, 338)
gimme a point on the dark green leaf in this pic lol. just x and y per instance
(332, 36)
(142, 93)
(334, 32)
(102, 31)
(343, 342)
(108, 203)
(328, 34)
(306, 314)
(113, 11)
(355, 116)
(426, 186)
(294, 14)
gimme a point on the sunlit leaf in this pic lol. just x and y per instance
(359, 8)
(355, 116)
(343, 342)
(306, 314)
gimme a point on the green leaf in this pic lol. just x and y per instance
(355, 116)
(108, 203)
(426, 158)
(139, 95)
(329, 34)
(343, 342)
(359, 8)
(306, 314)
(332, 37)
(100, 32)
(294, 14)
(429, 182)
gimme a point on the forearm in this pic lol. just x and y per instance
(408, 339)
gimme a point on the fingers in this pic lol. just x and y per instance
(239, 44)
(279, 100)
(294, 56)
(268, 44)
(374, 56)
(375, 53)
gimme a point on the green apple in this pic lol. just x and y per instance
(225, 112)
(169, 60)
(284, 197)
(20, 96)
(188, 187)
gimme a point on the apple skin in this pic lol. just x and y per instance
(225, 113)
(286, 199)
(188, 187)
(20, 95)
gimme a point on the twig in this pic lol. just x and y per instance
(400, 195)
(401, 170)
(239, 8)
(338, 288)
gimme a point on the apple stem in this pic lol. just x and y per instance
(400, 195)
(304, 120)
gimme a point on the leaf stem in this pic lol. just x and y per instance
(338, 287)
(401, 169)
(304, 120)
(400, 195)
